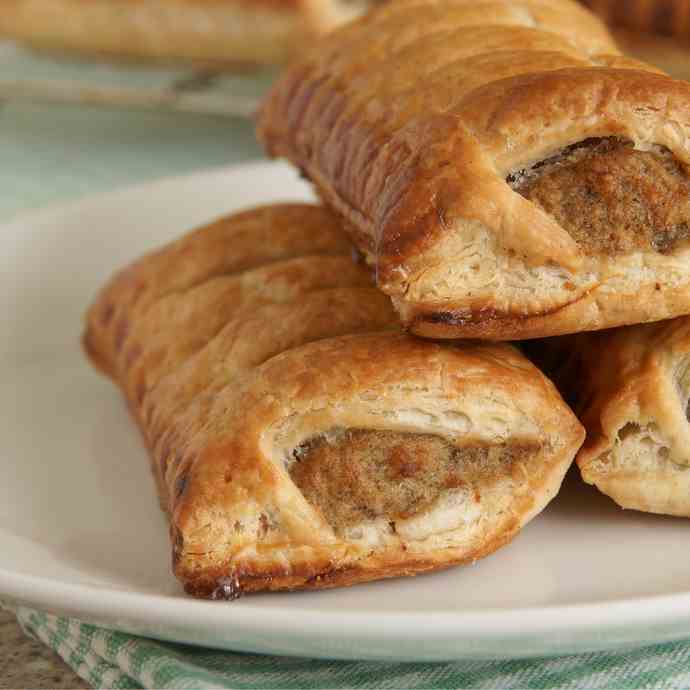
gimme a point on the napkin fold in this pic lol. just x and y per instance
(109, 659)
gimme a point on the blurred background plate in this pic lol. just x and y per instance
(35, 77)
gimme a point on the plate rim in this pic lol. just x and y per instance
(667, 603)
(572, 629)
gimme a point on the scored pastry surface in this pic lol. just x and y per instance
(467, 144)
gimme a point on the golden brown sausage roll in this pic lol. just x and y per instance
(207, 31)
(297, 437)
(506, 170)
(630, 387)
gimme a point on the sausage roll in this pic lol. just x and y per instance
(297, 437)
(206, 31)
(506, 170)
(630, 387)
(667, 17)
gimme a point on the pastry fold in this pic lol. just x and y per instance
(506, 170)
(220, 32)
(297, 437)
(630, 388)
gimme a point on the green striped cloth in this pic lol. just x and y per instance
(108, 659)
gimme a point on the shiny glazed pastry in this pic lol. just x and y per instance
(206, 31)
(297, 437)
(630, 387)
(506, 170)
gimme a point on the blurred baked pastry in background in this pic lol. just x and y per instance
(218, 32)
(298, 438)
(508, 172)
(666, 17)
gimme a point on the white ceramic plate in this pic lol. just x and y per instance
(31, 76)
(81, 533)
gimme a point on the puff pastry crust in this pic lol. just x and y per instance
(468, 143)
(224, 32)
(630, 387)
(298, 438)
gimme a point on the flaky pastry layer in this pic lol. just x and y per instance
(630, 388)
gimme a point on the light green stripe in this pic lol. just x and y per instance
(156, 664)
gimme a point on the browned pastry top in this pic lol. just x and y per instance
(418, 85)
(413, 121)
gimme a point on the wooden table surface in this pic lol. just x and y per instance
(25, 663)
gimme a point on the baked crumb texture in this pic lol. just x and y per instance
(359, 478)
(630, 388)
(508, 172)
(298, 438)
(612, 199)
